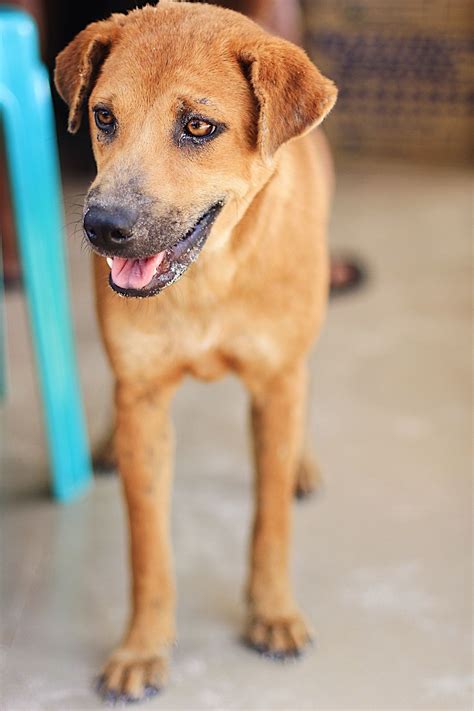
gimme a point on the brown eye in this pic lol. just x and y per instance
(105, 120)
(199, 128)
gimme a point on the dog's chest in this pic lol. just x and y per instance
(211, 366)
(202, 352)
(205, 341)
(226, 345)
(209, 348)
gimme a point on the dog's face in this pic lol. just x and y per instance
(187, 105)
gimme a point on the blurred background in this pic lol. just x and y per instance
(383, 552)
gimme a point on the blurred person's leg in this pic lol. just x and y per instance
(282, 17)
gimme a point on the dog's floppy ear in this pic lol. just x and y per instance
(78, 65)
(293, 96)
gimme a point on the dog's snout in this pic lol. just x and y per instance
(106, 228)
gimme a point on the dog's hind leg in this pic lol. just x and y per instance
(144, 447)
(308, 476)
(275, 626)
(104, 457)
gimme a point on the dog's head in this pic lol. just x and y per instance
(188, 105)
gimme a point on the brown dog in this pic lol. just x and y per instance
(194, 111)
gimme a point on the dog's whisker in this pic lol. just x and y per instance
(76, 196)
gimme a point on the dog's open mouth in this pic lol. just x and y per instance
(148, 276)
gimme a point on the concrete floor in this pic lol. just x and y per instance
(382, 556)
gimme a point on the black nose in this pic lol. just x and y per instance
(108, 228)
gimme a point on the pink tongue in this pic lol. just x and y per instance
(135, 273)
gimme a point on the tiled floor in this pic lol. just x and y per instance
(382, 556)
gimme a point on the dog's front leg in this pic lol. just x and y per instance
(275, 626)
(144, 449)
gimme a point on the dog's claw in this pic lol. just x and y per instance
(151, 691)
(116, 698)
(273, 655)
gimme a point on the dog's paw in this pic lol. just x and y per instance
(278, 638)
(308, 477)
(130, 676)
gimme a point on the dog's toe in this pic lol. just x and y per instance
(279, 638)
(129, 678)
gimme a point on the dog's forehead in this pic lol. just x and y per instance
(154, 52)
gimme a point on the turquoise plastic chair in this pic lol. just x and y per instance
(28, 125)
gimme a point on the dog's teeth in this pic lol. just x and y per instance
(110, 261)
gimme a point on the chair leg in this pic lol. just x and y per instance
(36, 192)
(3, 379)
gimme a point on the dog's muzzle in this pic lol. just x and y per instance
(137, 269)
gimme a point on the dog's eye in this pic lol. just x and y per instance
(199, 128)
(105, 120)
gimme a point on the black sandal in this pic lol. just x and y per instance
(353, 275)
